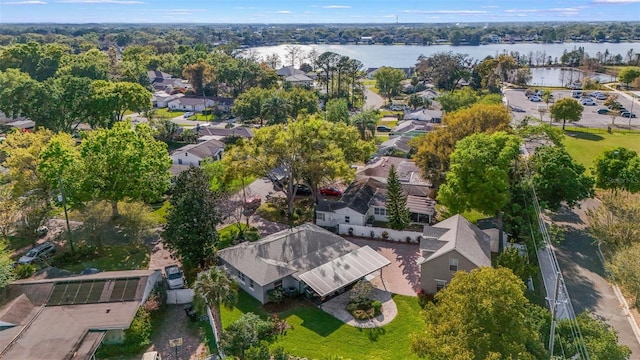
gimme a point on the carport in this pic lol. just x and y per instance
(334, 275)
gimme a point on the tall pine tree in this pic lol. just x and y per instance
(397, 211)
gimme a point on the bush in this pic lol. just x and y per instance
(424, 298)
(377, 307)
(24, 271)
(276, 295)
(361, 291)
(385, 235)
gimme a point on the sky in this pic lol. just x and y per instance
(315, 11)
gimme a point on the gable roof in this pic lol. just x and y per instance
(202, 150)
(298, 78)
(456, 233)
(400, 143)
(288, 252)
(360, 193)
(192, 101)
(155, 74)
(407, 126)
(240, 131)
(289, 71)
(408, 171)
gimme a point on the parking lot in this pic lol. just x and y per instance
(590, 116)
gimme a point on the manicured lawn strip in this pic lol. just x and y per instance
(316, 334)
(167, 114)
(584, 147)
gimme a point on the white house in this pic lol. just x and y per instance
(305, 259)
(194, 154)
(196, 104)
(161, 99)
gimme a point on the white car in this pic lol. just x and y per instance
(188, 114)
(535, 98)
(175, 280)
(602, 97)
(588, 102)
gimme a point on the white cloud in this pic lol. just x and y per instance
(551, 10)
(27, 2)
(119, 2)
(282, 12)
(337, 7)
(445, 12)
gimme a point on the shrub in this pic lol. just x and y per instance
(276, 295)
(372, 234)
(377, 307)
(424, 298)
(278, 353)
(352, 306)
(24, 271)
(385, 235)
(408, 239)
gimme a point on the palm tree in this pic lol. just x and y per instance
(366, 122)
(215, 288)
(276, 109)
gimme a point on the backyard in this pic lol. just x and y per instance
(585, 146)
(317, 335)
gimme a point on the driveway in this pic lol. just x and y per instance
(175, 324)
(584, 275)
(402, 276)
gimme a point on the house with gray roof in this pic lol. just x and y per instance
(195, 154)
(398, 144)
(364, 201)
(188, 103)
(208, 132)
(299, 80)
(411, 128)
(304, 259)
(449, 246)
(69, 317)
(287, 71)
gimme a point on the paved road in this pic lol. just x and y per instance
(584, 275)
(373, 100)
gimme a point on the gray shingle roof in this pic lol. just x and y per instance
(360, 193)
(288, 252)
(457, 233)
(202, 150)
(289, 71)
(240, 131)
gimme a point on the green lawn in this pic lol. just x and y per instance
(160, 212)
(317, 335)
(167, 114)
(586, 146)
(228, 233)
(116, 257)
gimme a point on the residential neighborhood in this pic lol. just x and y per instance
(187, 200)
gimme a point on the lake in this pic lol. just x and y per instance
(407, 55)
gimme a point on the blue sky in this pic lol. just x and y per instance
(315, 11)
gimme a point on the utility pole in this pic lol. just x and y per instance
(63, 199)
(554, 312)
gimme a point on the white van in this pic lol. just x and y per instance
(151, 355)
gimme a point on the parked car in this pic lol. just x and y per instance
(330, 191)
(38, 253)
(253, 203)
(382, 128)
(302, 189)
(602, 97)
(516, 109)
(535, 98)
(603, 111)
(89, 271)
(188, 114)
(175, 280)
(627, 114)
(588, 102)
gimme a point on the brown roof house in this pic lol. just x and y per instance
(304, 259)
(68, 318)
(449, 246)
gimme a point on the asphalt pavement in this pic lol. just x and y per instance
(373, 100)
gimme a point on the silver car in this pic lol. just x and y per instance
(38, 253)
(175, 280)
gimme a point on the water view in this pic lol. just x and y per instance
(406, 55)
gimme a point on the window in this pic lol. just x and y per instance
(380, 211)
(277, 284)
(347, 219)
(241, 277)
(440, 284)
(180, 161)
(251, 283)
(453, 264)
(320, 216)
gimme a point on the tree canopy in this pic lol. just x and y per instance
(388, 81)
(482, 314)
(123, 163)
(628, 74)
(434, 149)
(566, 109)
(444, 69)
(190, 231)
(479, 175)
(618, 168)
(558, 178)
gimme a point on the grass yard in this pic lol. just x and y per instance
(586, 146)
(388, 121)
(115, 257)
(159, 213)
(228, 234)
(317, 335)
(165, 113)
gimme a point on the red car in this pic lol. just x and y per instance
(331, 191)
